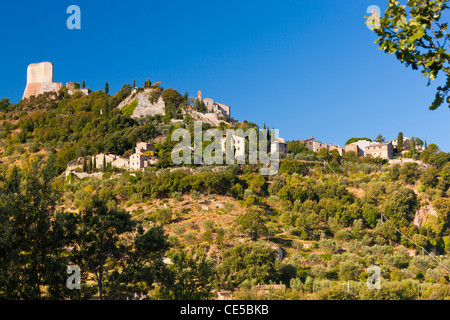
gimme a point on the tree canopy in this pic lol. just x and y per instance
(417, 34)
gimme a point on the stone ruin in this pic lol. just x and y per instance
(40, 80)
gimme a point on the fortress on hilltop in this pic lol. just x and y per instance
(40, 80)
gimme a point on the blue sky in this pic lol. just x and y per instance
(307, 68)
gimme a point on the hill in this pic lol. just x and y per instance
(195, 232)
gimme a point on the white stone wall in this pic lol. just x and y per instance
(40, 72)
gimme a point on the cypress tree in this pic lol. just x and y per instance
(426, 146)
(134, 84)
(104, 163)
(83, 85)
(413, 146)
(400, 142)
(90, 164)
(106, 88)
(84, 164)
(95, 163)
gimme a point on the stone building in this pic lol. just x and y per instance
(314, 145)
(355, 148)
(215, 107)
(73, 87)
(109, 158)
(139, 161)
(339, 149)
(278, 146)
(143, 157)
(121, 163)
(381, 150)
(75, 164)
(142, 147)
(359, 146)
(40, 80)
(239, 146)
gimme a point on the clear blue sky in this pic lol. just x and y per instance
(305, 67)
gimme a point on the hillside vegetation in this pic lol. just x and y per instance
(196, 232)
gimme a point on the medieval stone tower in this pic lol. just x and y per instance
(40, 80)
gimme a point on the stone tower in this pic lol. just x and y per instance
(40, 80)
(199, 95)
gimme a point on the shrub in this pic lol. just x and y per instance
(128, 109)
(177, 196)
(208, 224)
(195, 195)
(179, 229)
(164, 215)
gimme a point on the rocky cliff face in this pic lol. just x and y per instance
(144, 106)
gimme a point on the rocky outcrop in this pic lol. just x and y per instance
(144, 106)
(422, 213)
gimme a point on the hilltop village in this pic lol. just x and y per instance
(148, 102)
(88, 168)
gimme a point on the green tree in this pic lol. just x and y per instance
(419, 142)
(199, 106)
(134, 83)
(98, 240)
(400, 142)
(90, 164)
(413, 146)
(141, 262)
(106, 87)
(4, 104)
(430, 177)
(173, 100)
(252, 223)
(351, 140)
(83, 85)
(410, 172)
(401, 207)
(297, 147)
(417, 34)
(188, 277)
(249, 261)
(33, 236)
(349, 270)
(380, 138)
